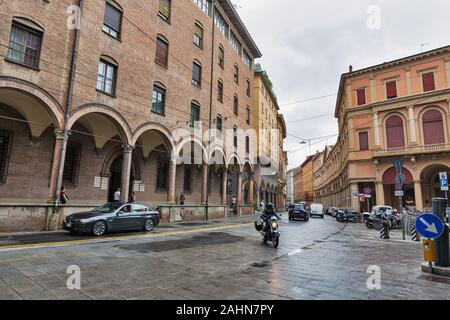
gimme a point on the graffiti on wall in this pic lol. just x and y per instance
(182, 213)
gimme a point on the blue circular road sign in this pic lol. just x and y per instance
(429, 226)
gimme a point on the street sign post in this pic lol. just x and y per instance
(443, 180)
(429, 226)
(400, 179)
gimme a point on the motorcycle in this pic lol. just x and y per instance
(269, 232)
(376, 219)
(346, 216)
(396, 220)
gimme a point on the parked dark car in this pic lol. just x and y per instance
(299, 211)
(111, 217)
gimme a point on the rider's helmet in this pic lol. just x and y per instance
(270, 207)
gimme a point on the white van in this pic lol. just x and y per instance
(317, 210)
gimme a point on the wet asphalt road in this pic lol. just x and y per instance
(319, 259)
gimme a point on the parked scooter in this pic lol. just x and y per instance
(347, 216)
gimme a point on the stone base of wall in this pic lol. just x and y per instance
(175, 213)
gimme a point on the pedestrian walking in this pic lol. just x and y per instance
(182, 199)
(117, 195)
(132, 198)
(63, 198)
(261, 206)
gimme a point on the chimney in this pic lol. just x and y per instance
(350, 68)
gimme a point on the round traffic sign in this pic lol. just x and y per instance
(429, 226)
(367, 190)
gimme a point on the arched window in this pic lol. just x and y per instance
(196, 73)
(236, 105)
(195, 114)
(433, 127)
(198, 34)
(219, 126)
(112, 21)
(247, 144)
(394, 132)
(107, 75)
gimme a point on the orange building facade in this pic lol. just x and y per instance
(399, 109)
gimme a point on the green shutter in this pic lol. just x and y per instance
(164, 8)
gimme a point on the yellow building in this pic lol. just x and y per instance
(398, 109)
(265, 123)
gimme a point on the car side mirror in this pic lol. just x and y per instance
(119, 213)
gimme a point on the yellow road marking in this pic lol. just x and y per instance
(136, 236)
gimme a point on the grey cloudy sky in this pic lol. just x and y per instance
(307, 45)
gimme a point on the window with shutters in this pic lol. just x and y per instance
(219, 127)
(391, 89)
(196, 74)
(433, 127)
(361, 96)
(162, 51)
(236, 73)
(187, 182)
(107, 75)
(164, 9)
(428, 82)
(221, 56)
(394, 132)
(195, 115)
(158, 100)
(220, 91)
(72, 164)
(236, 105)
(198, 35)
(162, 176)
(364, 140)
(24, 45)
(112, 21)
(5, 149)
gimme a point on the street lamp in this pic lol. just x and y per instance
(307, 142)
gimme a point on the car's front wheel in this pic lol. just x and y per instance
(99, 228)
(149, 225)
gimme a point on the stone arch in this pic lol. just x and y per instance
(113, 155)
(118, 121)
(238, 161)
(167, 139)
(199, 146)
(215, 154)
(11, 89)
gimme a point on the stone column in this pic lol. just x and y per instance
(239, 188)
(409, 90)
(59, 153)
(373, 90)
(412, 125)
(251, 190)
(418, 194)
(355, 202)
(172, 181)
(224, 186)
(380, 193)
(126, 171)
(204, 189)
(376, 129)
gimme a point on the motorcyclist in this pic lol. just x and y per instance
(268, 213)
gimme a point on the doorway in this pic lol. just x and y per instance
(115, 179)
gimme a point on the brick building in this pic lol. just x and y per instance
(101, 106)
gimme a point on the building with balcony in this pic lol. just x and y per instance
(398, 109)
(122, 98)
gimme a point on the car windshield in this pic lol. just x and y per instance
(299, 207)
(109, 207)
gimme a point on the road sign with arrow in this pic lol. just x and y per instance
(429, 226)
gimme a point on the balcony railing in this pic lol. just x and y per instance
(411, 150)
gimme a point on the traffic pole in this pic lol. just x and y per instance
(442, 243)
(403, 218)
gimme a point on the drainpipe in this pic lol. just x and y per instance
(210, 104)
(68, 107)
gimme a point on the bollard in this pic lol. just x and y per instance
(384, 230)
(414, 234)
(429, 253)
(442, 243)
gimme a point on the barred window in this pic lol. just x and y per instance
(162, 176)
(106, 79)
(24, 45)
(187, 179)
(5, 149)
(71, 164)
(112, 20)
(158, 100)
